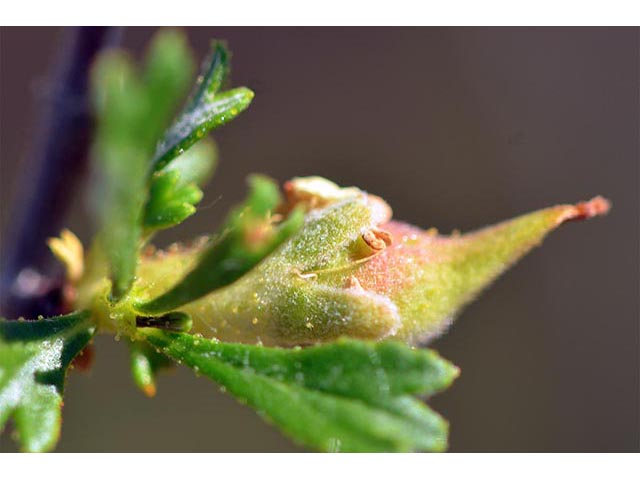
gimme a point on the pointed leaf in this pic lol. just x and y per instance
(170, 202)
(206, 110)
(34, 357)
(214, 71)
(346, 396)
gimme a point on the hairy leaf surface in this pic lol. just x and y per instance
(327, 280)
(350, 395)
(206, 110)
(247, 236)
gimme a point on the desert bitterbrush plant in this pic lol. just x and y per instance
(309, 303)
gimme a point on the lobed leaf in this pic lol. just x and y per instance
(347, 396)
(206, 110)
(174, 191)
(170, 202)
(133, 111)
(34, 358)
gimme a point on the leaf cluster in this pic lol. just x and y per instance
(152, 159)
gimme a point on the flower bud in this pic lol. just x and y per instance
(351, 271)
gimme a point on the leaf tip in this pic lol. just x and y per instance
(597, 206)
(149, 390)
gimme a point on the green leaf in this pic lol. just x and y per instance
(248, 235)
(174, 191)
(168, 73)
(132, 113)
(206, 110)
(214, 71)
(34, 357)
(350, 395)
(193, 125)
(146, 362)
(170, 202)
(123, 146)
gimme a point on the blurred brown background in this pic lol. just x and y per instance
(456, 128)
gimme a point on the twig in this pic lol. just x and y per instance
(51, 176)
